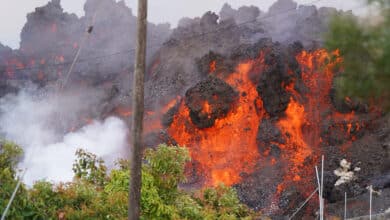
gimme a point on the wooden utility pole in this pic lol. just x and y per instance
(138, 114)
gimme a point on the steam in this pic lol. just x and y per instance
(42, 122)
(54, 161)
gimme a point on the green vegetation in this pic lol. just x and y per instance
(96, 193)
(365, 47)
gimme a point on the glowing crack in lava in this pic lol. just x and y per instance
(228, 148)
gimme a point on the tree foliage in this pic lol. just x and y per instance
(89, 168)
(365, 48)
(9, 157)
(96, 193)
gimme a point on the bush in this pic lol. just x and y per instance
(95, 194)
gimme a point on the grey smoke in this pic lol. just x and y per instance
(286, 21)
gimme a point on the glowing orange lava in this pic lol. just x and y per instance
(213, 66)
(295, 150)
(53, 28)
(228, 148)
(206, 108)
(301, 126)
(123, 111)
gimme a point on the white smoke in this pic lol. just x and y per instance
(54, 161)
(39, 121)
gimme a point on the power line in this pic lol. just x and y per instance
(85, 38)
(13, 195)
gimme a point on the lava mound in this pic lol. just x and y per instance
(209, 100)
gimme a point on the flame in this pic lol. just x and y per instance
(206, 108)
(213, 66)
(228, 148)
(171, 104)
(344, 116)
(349, 126)
(318, 69)
(152, 119)
(154, 67)
(221, 149)
(295, 150)
(226, 151)
(11, 66)
(152, 122)
(301, 126)
(40, 75)
(123, 111)
(59, 59)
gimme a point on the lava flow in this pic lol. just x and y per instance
(301, 126)
(227, 149)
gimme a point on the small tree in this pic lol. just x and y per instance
(366, 52)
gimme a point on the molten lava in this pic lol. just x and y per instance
(295, 150)
(227, 149)
(213, 66)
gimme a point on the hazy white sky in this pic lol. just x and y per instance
(13, 12)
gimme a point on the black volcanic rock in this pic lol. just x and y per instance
(216, 94)
(268, 132)
(270, 86)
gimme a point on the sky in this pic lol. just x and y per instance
(13, 12)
